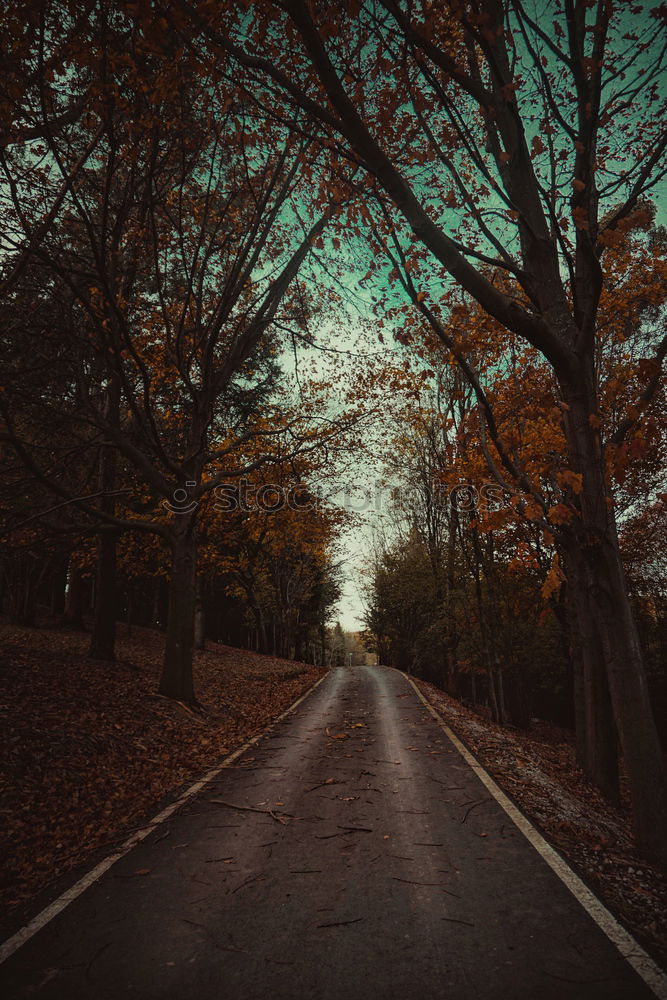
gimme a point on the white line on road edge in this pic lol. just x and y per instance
(13, 943)
(630, 949)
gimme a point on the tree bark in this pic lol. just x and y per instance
(130, 607)
(200, 633)
(601, 573)
(516, 702)
(23, 591)
(103, 639)
(261, 645)
(177, 681)
(451, 638)
(157, 593)
(576, 654)
(597, 743)
(58, 585)
(74, 600)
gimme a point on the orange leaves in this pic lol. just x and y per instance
(554, 579)
(524, 559)
(532, 510)
(637, 447)
(570, 480)
(560, 514)
(580, 218)
(537, 146)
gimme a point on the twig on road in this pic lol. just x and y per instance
(251, 878)
(341, 923)
(279, 817)
(474, 806)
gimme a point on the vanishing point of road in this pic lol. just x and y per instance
(377, 866)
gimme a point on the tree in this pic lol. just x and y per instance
(173, 253)
(508, 147)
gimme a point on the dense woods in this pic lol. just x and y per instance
(192, 196)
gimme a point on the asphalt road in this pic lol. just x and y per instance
(386, 872)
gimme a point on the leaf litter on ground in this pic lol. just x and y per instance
(90, 750)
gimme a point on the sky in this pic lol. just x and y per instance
(346, 336)
(349, 347)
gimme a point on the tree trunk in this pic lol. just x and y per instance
(200, 635)
(157, 593)
(74, 599)
(103, 639)
(58, 586)
(449, 680)
(571, 653)
(493, 699)
(579, 697)
(496, 707)
(597, 744)
(601, 738)
(23, 592)
(261, 645)
(130, 607)
(596, 541)
(516, 700)
(176, 681)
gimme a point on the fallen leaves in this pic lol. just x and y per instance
(90, 750)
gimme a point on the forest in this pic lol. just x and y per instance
(252, 251)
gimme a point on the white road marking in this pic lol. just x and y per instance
(45, 916)
(631, 950)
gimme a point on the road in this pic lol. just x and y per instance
(382, 870)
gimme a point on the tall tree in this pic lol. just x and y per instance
(175, 249)
(508, 146)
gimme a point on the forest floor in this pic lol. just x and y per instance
(539, 771)
(90, 749)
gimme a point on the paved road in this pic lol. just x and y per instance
(395, 876)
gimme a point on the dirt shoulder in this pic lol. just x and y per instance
(90, 750)
(539, 771)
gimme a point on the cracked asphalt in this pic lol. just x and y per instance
(368, 863)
